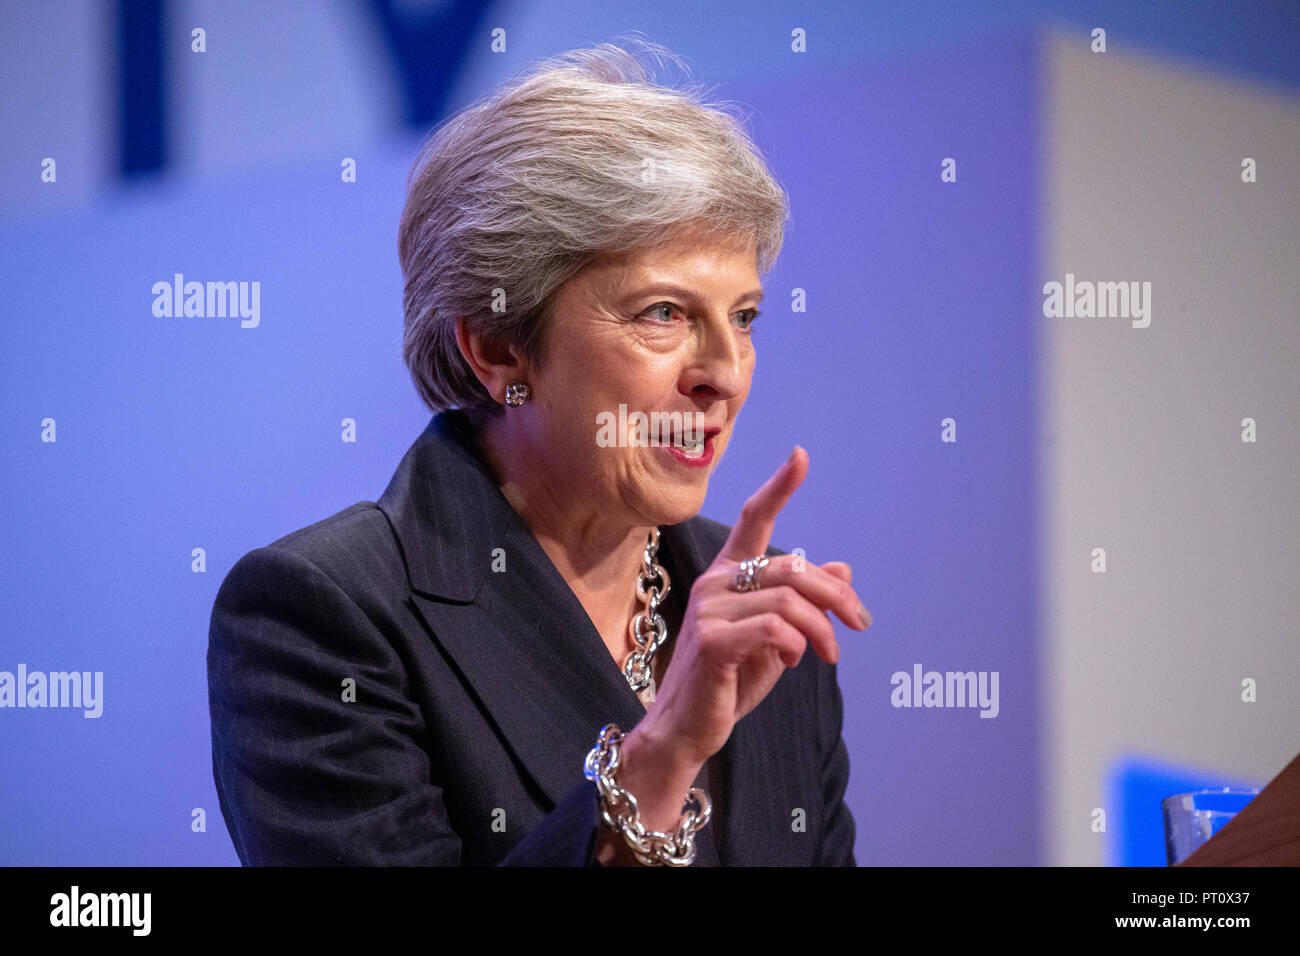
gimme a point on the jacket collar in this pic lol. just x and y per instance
(444, 509)
(518, 633)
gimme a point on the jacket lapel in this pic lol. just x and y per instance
(518, 634)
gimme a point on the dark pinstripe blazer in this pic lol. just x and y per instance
(477, 694)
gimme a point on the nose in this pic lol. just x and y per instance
(722, 363)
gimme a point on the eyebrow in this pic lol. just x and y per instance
(667, 288)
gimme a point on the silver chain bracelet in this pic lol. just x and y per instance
(618, 809)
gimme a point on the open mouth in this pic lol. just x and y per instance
(692, 449)
(696, 450)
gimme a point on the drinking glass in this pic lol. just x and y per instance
(1192, 818)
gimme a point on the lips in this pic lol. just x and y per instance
(700, 438)
(698, 447)
(698, 457)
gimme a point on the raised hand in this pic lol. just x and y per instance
(733, 647)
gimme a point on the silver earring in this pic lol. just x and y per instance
(516, 394)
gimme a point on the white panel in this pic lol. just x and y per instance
(1142, 445)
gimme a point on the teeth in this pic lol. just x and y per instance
(693, 449)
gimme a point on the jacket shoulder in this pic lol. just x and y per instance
(361, 520)
(355, 548)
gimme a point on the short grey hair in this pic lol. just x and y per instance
(581, 155)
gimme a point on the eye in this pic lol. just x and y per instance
(656, 310)
(749, 317)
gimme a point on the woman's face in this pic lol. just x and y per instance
(662, 330)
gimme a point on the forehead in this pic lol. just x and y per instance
(694, 255)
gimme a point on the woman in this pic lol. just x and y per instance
(419, 680)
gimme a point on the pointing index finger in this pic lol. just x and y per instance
(752, 532)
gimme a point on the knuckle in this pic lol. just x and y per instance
(706, 640)
(706, 582)
(795, 650)
(787, 598)
(845, 593)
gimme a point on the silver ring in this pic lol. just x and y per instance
(747, 576)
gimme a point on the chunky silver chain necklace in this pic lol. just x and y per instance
(648, 628)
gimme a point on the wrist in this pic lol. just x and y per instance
(650, 743)
(653, 806)
(658, 773)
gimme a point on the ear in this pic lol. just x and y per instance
(494, 363)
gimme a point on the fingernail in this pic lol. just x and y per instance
(864, 615)
(792, 454)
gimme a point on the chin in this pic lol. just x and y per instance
(681, 507)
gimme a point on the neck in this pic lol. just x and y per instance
(598, 555)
